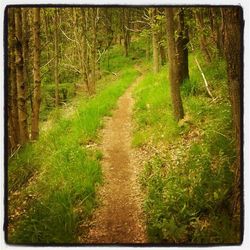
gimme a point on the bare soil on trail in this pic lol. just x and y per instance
(119, 217)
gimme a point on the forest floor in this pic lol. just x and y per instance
(119, 217)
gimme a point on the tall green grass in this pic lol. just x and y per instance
(153, 110)
(188, 183)
(65, 172)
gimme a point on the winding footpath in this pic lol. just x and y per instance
(119, 217)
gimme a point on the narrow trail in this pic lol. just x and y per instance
(119, 218)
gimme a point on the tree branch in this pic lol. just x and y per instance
(202, 74)
(72, 40)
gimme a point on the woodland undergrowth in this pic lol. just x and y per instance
(52, 182)
(188, 181)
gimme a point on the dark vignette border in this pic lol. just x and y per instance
(5, 41)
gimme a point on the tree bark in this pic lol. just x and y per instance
(233, 46)
(148, 48)
(37, 75)
(174, 66)
(155, 41)
(14, 131)
(56, 51)
(21, 84)
(12, 138)
(94, 14)
(125, 26)
(202, 37)
(217, 21)
(26, 54)
(163, 55)
(182, 43)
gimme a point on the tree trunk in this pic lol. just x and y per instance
(56, 51)
(12, 84)
(232, 46)
(12, 140)
(85, 60)
(147, 48)
(94, 14)
(183, 40)
(125, 26)
(21, 84)
(162, 55)
(174, 66)
(26, 54)
(155, 42)
(155, 52)
(202, 37)
(37, 76)
(215, 23)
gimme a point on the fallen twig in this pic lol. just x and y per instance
(19, 146)
(203, 76)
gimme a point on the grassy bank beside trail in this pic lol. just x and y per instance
(52, 182)
(188, 180)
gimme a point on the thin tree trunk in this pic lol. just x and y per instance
(162, 49)
(155, 42)
(47, 37)
(56, 51)
(93, 49)
(26, 54)
(85, 61)
(232, 42)
(155, 52)
(21, 84)
(162, 54)
(13, 105)
(12, 140)
(147, 48)
(215, 12)
(174, 66)
(37, 76)
(183, 50)
(125, 26)
(202, 37)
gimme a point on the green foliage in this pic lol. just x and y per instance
(186, 198)
(191, 88)
(188, 183)
(153, 98)
(66, 94)
(63, 190)
(113, 60)
(138, 48)
(30, 162)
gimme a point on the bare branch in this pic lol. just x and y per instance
(132, 29)
(101, 54)
(48, 62)
(202, 74)
(19, 146)
(72, 67)
(72, 40)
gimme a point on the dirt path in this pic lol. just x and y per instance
(118, 219)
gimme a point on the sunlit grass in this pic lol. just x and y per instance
(153, 110)
(63, 192)
(188, 186)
